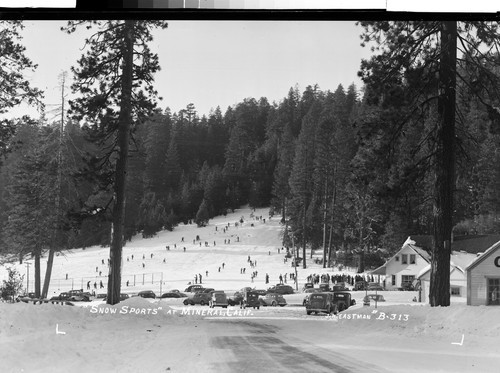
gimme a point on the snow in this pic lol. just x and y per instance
(100, 337)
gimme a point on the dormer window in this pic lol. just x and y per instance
(413, 259)
(397, 258)
(404, 259)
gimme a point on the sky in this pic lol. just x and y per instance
(216, 63)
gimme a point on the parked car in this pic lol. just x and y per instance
(260, 291)
(208, 290)
(343, 300)
(235, 299)
(281, 289)
(250, 299)
(324, 287)
(123, 296)
(374, 286)
(197, 298)
(218, 299)
(273, 299)
(147, 294)
(173, 294)
(193, 288)
(307, 285)
(374, 297)
(309, 292)
(101, 296)
(61, 297)
(360, 285)
(339, 288)
(322, 302)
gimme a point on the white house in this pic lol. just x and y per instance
(483, 278)
(404, 267)
(458, 276)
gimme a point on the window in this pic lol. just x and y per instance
(407, 280)
(393, 279)
(397, 259)
(494, 291)
(455, 290)
(404, 259)
(413, 259)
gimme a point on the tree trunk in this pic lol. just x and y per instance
(124, 123)
(324, 225)
(48, 273)
(304, 240)
(444, 182)
(37, 273)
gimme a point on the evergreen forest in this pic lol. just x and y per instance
(351, 170)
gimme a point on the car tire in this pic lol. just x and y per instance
(308, 312)
(274, 304)
(202, 302)
(185, 302)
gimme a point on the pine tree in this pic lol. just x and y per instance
(115, 79)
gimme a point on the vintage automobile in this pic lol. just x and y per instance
(322, 302)
(307, 285)
(343, 300)
(198, 298)
(219, 299)
(235, 299)
(173, 294)
(147, 294)
(309, 292)
(281, 289)
(373, 297)
(123, 296)
(272, 299)
(250, 299)
(360, 285)
(324, 287)
(193, 288)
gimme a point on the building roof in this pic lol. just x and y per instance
(483, 256)
(474, 243)
(458, 261)
(379, 271)
(408, 243)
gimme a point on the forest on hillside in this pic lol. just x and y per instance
(350, 170)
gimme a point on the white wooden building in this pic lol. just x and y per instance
(403, 268)
(483, 278)
(458, 276)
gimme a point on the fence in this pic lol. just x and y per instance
(130, 283)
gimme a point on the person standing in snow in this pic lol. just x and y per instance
(200, 277)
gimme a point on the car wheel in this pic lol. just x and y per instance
(273, 304)
(258, 308)
(202, 302)
(308, 312)
(185, 302)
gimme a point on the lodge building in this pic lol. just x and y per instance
(483, 278)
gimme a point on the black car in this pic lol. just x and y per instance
(321, 302)
(123, 296)
(235, 299)
(193, 288)
(147, 294)
(173, 294)
(280, 289)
